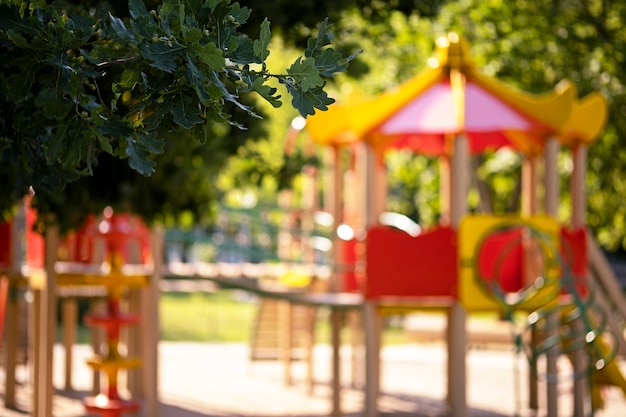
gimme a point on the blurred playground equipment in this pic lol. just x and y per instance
(351, 255)
(471, 262)
(109, 260)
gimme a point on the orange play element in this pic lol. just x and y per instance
(508, 262)
(400, 265)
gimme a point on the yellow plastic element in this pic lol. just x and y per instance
(113, 365)
(610, 374)
(475, 296)
(117, 276)
(111, 280)
(586, 121)
(451, 61)
(295, 279)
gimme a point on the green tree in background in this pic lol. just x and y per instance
(534, 45)
(529, 44)
(78, 85)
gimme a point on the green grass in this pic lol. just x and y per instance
(205, 317)
(223, 316)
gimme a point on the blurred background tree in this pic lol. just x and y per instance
(528, 44)
(531, 45)
(85, 87)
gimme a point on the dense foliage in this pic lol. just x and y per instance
(535, 44)
(77, 85)
(528, 44)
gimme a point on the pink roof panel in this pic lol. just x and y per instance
(434, 112)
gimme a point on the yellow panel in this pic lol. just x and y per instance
(474, 293)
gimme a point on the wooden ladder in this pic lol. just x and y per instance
(281, 329)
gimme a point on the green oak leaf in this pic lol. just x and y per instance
(138, 158)
(152, 143)
(185, 112)
(239, 14)
(211, 55)
(215, 78)
(137, 8)
(129, 79)
(120, 28)
(197, 79)
(305, 73)
(53, 104)
(261, 44)
(256, 83)
(324, 37)
(162, 55)
(104, 142)
(330, 62)
(307, 101)
(243, 53)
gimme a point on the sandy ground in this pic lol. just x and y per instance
(218, 380)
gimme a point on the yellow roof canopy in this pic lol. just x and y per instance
(449, 97)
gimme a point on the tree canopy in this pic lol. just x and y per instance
(77, 85)
(531, 45)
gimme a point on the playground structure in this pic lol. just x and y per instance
(468, 263)
(110, 262)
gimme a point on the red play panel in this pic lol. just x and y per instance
(500, 260)
(402, 265)
(574, 255)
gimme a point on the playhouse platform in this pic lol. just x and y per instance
(218, 380)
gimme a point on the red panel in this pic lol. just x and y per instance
(500, 260)
(5, 244)
(350, 281)
(118, 231)
(83, 240)
(35, 244)
(574, 255)
(4, 296)
(401, 265)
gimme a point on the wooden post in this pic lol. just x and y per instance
(70, 321)
(13, 309)
(35, 345)
(577, 191)
(310, 204)
(577, 186)
(285, 316)
(46, 328)
(457, 316)
(444, 190)
(132, 337)
(10, 354)
(97, 307)
(374, 201)
(551, 177)
(372, 359)
(151, 328)
(529, 186)
(551, 199)
(336, 285)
